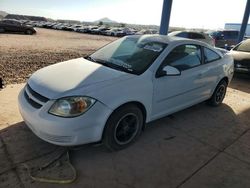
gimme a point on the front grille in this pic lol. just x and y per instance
(242, 64)
(37, 95)
(31, 102)
(33, 98)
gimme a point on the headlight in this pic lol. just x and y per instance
(71, 106)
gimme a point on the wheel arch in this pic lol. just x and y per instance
(210, 100)
(224, 79)
(136, 103)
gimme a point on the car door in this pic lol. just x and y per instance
(212, 69)
(17, 27)
(11, 26)
(5, 25)
(176, 92)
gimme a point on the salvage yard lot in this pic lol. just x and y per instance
(21, 55)
(197, 147)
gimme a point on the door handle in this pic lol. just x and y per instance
(201, 74)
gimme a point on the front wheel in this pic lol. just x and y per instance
(219, 94)
(2, 30)
(123, 127)
(28, 32)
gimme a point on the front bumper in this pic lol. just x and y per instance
(241, 68)
(83, 129)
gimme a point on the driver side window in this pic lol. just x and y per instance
(184, 57)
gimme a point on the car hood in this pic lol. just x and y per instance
(63, 78)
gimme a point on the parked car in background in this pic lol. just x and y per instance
(99, 30)
(112, 31)
(90, 28)
(194, 35)
(58, 26)
(241, 55)
(67, 27)
(16, 26)
(119, 32)
(76, 27)
(82, 29)
(225, 38)
(49, 25)
(80, 101)
(146, 31)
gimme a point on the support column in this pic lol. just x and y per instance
(165, 17)
(244, 22)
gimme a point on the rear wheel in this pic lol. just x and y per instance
(123, 127)
(219, 94)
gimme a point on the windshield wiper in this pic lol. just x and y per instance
(110, 65)
(90, 58)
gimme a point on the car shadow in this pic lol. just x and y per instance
(176, 143)
(241, 82)
(13, 33)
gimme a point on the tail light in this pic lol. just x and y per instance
(214, 41)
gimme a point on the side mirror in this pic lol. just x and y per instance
(171, 71)
(168, 71)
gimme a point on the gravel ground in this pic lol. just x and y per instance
(21, 55)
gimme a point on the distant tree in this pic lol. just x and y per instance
(100, 23)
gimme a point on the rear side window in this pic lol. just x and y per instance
(183, 34)
(230, 34)
(196, 36)
(6, 21)
(210, 55)
(184, 57)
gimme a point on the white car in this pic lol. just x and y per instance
(110, 95)
(204, 37)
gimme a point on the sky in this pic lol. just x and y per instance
(207, 14)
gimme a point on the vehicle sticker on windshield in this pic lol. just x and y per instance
(154, 47)
(120, 63)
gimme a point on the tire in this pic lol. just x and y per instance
(219, 94)
(2, 30)
(123, 127)
(29, 32)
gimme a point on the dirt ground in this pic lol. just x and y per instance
(201, 146)
(21, 55)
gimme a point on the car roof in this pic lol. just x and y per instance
(173, 40)
(188, 31)
(164, 38)
(225, 30)
(11, 20)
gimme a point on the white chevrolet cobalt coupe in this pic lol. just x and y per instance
(110, 95)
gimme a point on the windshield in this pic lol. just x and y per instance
(244, 46)
(129, 54)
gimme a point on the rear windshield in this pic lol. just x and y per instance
(225, 34)
(244, 46)
(231, 34)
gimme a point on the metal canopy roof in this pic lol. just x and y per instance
(166, 13)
